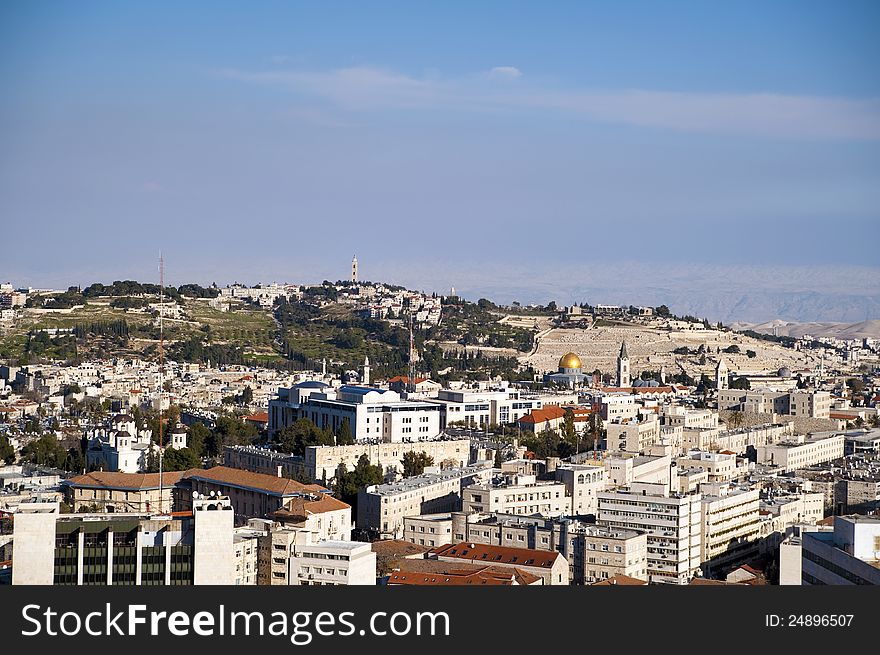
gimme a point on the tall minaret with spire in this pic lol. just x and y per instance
(365, 371)
(721, 372)
(354, 269)
(623, 377)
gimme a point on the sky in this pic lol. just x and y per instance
(532, 151)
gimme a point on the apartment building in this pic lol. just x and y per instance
(582, 483)
(672, 523)
(594, 552)
(382, 508)
(517, 494)
(801, 451)
(332, 563)
(633, 436)
(722, 466)
(730, 527)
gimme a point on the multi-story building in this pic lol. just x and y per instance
(322, 461)
(332, 563)
(672, 522)
(676, 415)
(633, 436)
(253, 495)
(124, 549)
(801, 451)
(850, 554)
(622, 469)
(810, 404)
(482, 407)
(382, 508)
(517, 494)
(730, 527)
(372, 414)
(102, 491)
(720, 466)
(803, 403)
(859, 492)
(582, 483)
(593, 552)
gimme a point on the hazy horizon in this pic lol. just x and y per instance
(720, 159)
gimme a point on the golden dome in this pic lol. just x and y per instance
(570, 360)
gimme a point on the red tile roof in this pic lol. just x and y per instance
(271, 484)
(126, 481)
(623, 580)
(259, 417)
(301, 507)
(498, 555)
(424, 573)
(536, 416)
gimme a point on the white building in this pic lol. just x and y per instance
(517, 494)
(333, 563)
(632, 436)
(848, 555)
(383, 507)
(672, 522)
(730, 526)
(372, 414)
(800, 452)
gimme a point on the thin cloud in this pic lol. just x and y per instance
(505, 72)
(761, 114)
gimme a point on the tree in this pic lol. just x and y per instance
(568, 433)
(343, 434)
(751, 354)
(45, 451)
(741, 383)
(247, 396)
(302, 434)
(7, 452)
(180, 459)
(348, 483)
(856, 386)
(596, 429)
(735, 420)
(196, 437)
(414, 463)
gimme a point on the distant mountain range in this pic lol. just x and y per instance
(727, 293)
(859, 330)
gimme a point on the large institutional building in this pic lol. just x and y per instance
(373, 414)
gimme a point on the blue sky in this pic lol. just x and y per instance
(271, 141)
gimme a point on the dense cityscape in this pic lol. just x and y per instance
(360, 433)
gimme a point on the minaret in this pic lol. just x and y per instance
(365, 371)
(324, 368)
(623, 378)
(721, 375)
(354, 269)
(663, 374)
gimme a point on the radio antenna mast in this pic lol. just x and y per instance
(161, 365)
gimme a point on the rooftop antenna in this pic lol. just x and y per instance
(161, 364)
